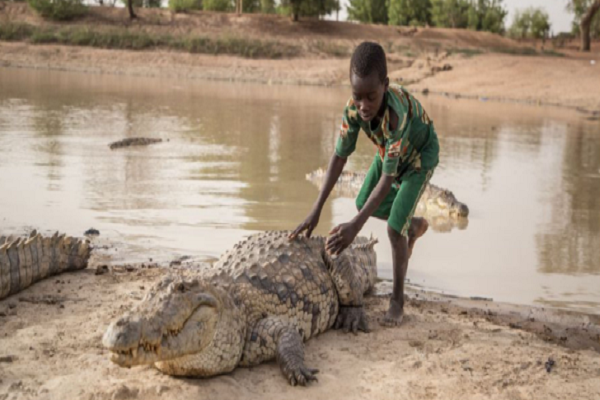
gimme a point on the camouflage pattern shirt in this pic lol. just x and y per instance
(411, 147)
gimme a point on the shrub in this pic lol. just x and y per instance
(217, 5)
(185, 5)
(58, 10)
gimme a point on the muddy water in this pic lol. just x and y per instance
(235, 161)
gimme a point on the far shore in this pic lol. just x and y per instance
(272, 50)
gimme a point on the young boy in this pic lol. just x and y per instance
(407, 153)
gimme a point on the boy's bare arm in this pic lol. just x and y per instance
(334, 170)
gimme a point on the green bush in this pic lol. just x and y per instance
(12, 31)
(119, 38)
(217, 5)
(185, 5)
(58, 10)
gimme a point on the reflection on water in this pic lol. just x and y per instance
(235, 162)
(570, 240)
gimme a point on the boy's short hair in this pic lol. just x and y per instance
(368, 57)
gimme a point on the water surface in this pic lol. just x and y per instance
(235, 161)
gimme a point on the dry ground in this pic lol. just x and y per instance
(50, 348)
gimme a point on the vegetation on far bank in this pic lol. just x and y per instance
(479, 15)
(122, 38)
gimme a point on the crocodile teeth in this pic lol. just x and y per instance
(134, 352)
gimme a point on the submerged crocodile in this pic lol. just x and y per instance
(136, 141)
(27, 260)
(261, 300)
(441, 208)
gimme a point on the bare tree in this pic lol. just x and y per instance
(584, 10)
(130, 8)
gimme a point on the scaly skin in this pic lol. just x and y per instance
(261, 300)
(27, 260)
(137, 141)
(439, 206)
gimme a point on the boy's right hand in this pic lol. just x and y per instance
(309, 224)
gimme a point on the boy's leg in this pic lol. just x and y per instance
(371, 180)
(402, 239)
(418, 227)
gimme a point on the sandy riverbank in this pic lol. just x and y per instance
(449, 348)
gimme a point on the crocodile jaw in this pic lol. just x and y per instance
(177, 318)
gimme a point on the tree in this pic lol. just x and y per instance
(450, 13)
(306, 8)
(267, 6)
(130, 9)
(532, 22)
(409, 12)
(368, 11)
(521, 24)
(487, 15)
(540, 23)
(585, 11)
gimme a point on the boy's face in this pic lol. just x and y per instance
(367, 94)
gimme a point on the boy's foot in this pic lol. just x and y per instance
(418, 227)
(394, 315)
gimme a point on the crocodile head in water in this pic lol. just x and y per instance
(445, 200)
(180, 322)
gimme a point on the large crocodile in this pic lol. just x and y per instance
(439, 206)
(27, 260)
(261, 300)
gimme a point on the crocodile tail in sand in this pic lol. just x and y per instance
(27, 260)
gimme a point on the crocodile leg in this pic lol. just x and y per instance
(276, 337)
(290, 357)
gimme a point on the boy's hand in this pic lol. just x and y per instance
(309, 224)
(341, 237)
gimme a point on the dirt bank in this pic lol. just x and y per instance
(477, 64)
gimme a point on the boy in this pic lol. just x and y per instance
(407, 154)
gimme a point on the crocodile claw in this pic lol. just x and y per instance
(352, 318)
(302, 375)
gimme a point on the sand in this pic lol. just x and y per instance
(447, 348)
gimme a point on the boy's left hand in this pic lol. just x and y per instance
(341, 237)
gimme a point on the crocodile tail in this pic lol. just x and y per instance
(27, 260)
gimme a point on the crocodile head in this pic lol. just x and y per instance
(445, 202)
(182, 326)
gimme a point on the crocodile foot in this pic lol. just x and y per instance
(352, 318)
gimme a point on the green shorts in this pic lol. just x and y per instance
(400, 204)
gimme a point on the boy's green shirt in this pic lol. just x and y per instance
(400, 150)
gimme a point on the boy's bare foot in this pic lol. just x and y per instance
(394, 315)
(418, 227)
